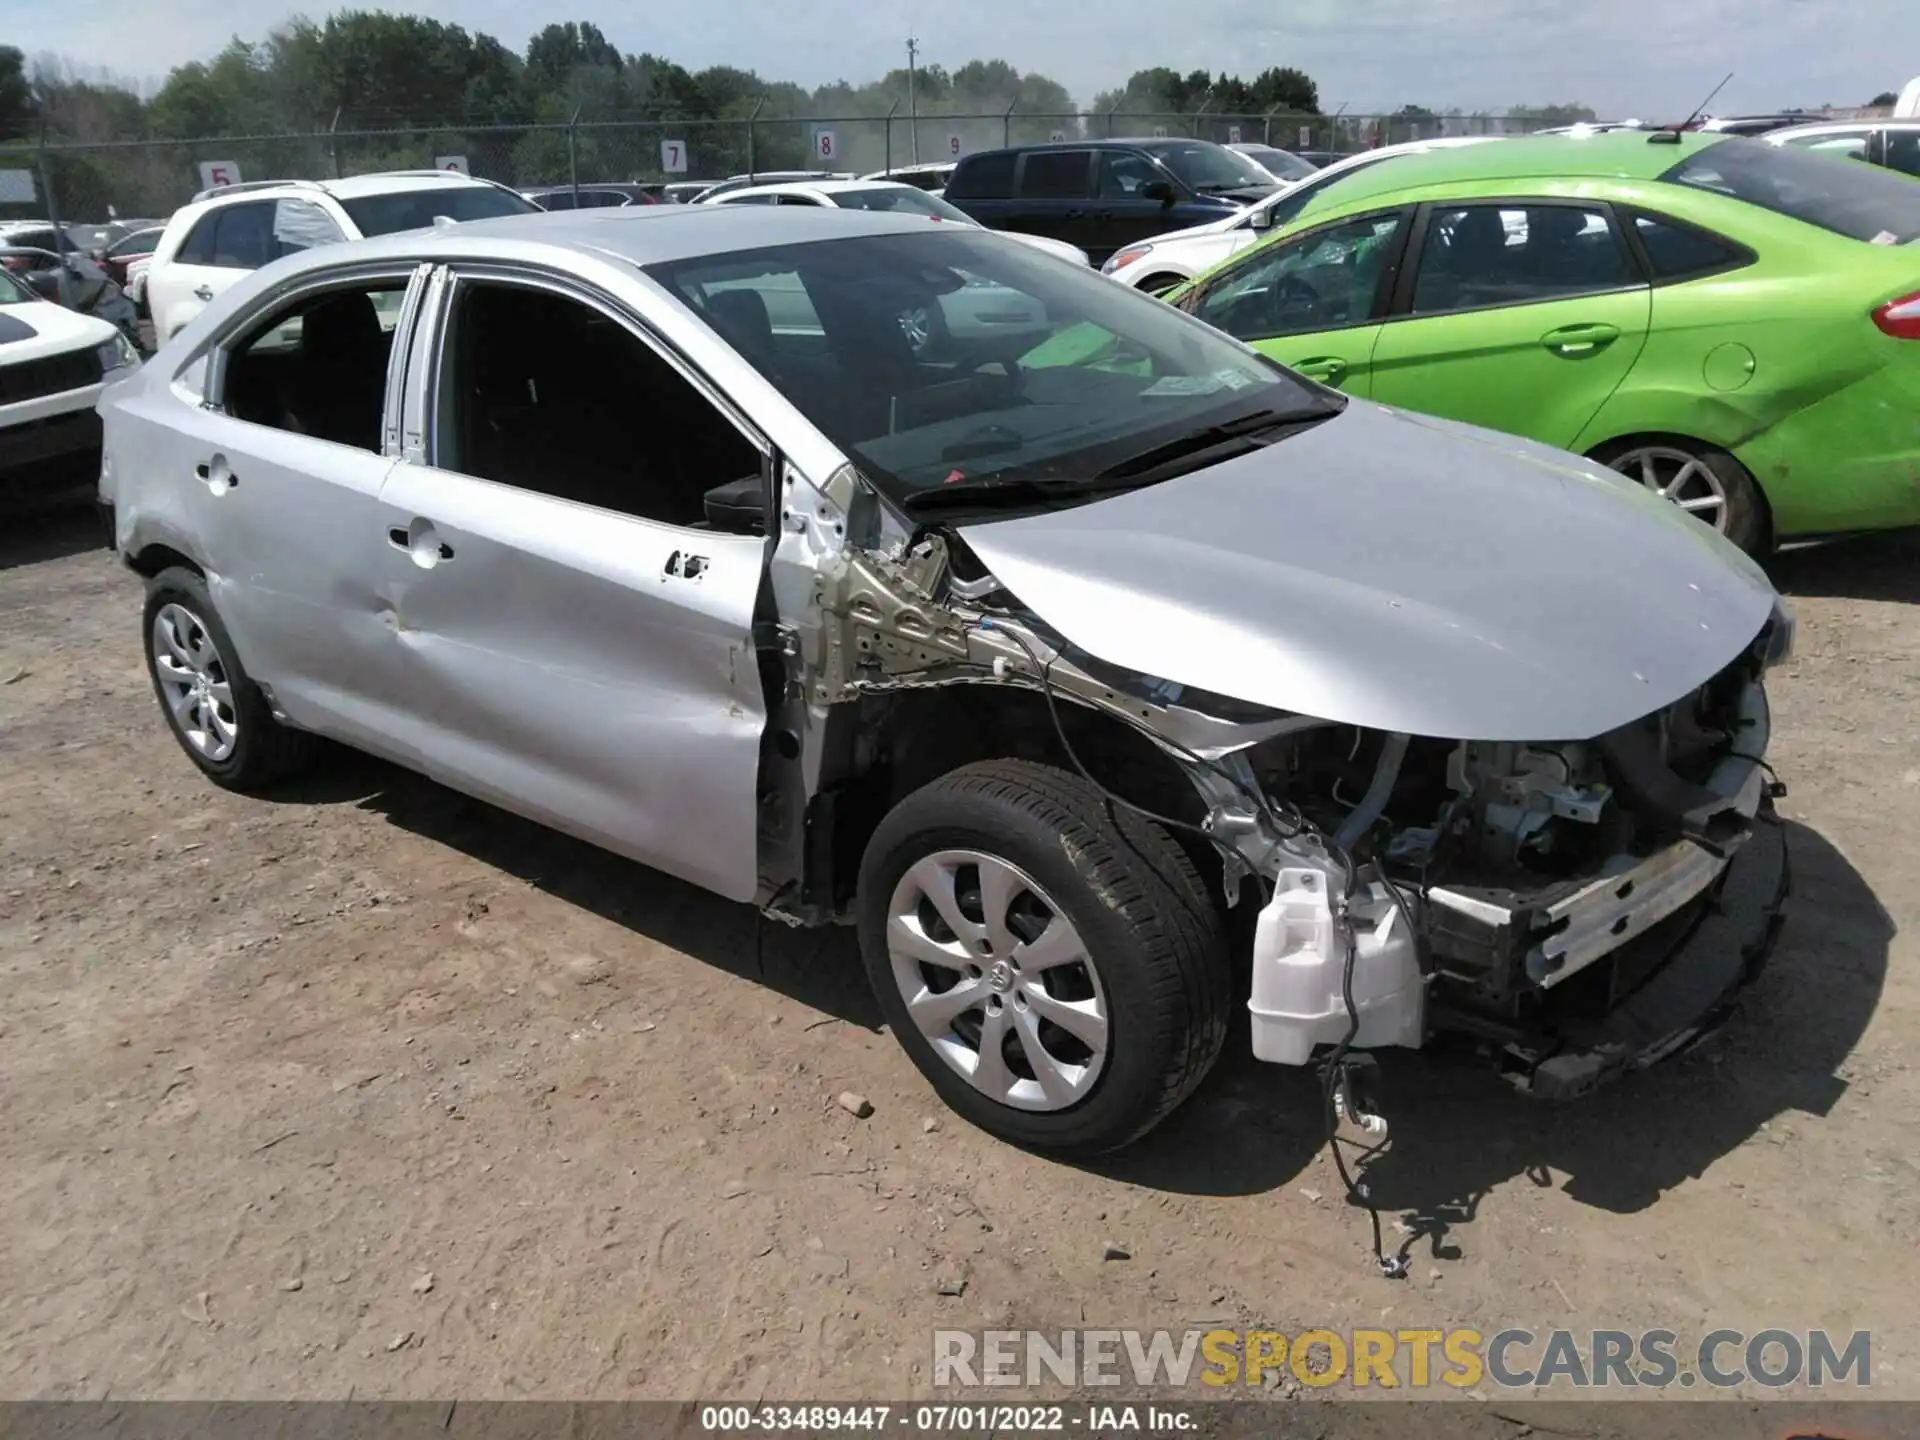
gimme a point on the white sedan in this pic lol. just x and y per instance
(980, 310)
(1171, 259)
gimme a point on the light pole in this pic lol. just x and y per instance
(913, 110)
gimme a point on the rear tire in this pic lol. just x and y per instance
(214, 710)
(1702, 479)
(1069, 908)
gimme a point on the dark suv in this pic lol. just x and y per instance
(1105, 194)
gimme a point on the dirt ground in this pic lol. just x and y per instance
(283, 1082)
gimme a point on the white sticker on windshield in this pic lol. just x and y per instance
(1233, 379)
(1885, 237)
(1184, 385)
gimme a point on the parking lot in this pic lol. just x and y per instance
(371, 1089)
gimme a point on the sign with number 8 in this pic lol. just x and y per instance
(826, 145)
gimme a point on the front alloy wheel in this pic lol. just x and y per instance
(1049, 960)
(998, 980)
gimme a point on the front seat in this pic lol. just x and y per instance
(741, 317)
(339, 386)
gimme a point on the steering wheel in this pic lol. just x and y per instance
(1293, 293)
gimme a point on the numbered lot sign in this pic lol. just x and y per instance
(1160, 132)
(216, 173)
(673, 156)
(456, 163)
(1058, 137)
(955, 146)
(1233, 134)
(826, 145)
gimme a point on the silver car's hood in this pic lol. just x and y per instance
(1401, 573)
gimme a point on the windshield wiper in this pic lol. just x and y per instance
(966, 494)
(1199, 447)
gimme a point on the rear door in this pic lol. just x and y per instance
(1522, 315)
(1053, 196)
(1313, 301)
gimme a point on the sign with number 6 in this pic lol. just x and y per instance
(826, 145)
(216, 173)
(456, 163)
(673, 156)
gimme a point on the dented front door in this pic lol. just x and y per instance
(587, 669)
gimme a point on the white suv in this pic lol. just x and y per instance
(221, 234)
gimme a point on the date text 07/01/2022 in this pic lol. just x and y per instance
(936, 1419)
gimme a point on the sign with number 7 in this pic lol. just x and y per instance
(673, 156)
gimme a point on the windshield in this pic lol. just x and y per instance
(1863, 202)
(417, 209)
(12, 292)
(902, 200)
(1207, 167)
(1278, 163)
(952, 356)
(1283, 209)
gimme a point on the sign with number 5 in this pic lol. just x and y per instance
(826, 145)
(673, 156)
(216, 173)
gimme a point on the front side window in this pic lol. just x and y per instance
(1208, 168)
(1481, 255)
(141, 242)
(418, 209)
(1319, 281)
(317, 366)
(197, 248)
(756, 198)
(12, 292)
(1862, 202)
(532, 381)
(1055, 175)
(1093, 373)
(1123, 174)
(301, 225)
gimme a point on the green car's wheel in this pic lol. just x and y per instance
(1708, 484)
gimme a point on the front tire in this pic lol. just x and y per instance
(1049, 960)
(217, 714)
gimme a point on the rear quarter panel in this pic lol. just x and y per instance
(1780, 363)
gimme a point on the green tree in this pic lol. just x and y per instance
(16, 95)
(1885, 100)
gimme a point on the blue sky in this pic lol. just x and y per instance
(1645, 58)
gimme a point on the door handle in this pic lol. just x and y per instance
(425, 550)
(1328, 369)
(1575, 341)
(217, 473)
(682, 566)
(203, 292)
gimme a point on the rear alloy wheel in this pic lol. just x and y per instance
(1050, 961)
(1708, 484)
(217, 714)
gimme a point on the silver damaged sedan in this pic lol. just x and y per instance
(1109, 676)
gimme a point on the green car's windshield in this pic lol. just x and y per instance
(1207, 167)
(955, 356)
(418, 209)
(1862, 202)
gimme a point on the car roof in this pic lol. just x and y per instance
(819, 187)
(636, 234)
(1829, 127)
(1607, 154)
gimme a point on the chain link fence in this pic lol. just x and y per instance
(148, 179)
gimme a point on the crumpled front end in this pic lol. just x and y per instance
(1581, 907)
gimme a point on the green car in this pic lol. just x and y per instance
(1735, 324)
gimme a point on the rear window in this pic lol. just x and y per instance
(1862, 202)
(418, 209)
(1678, 252)
(983, 177)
